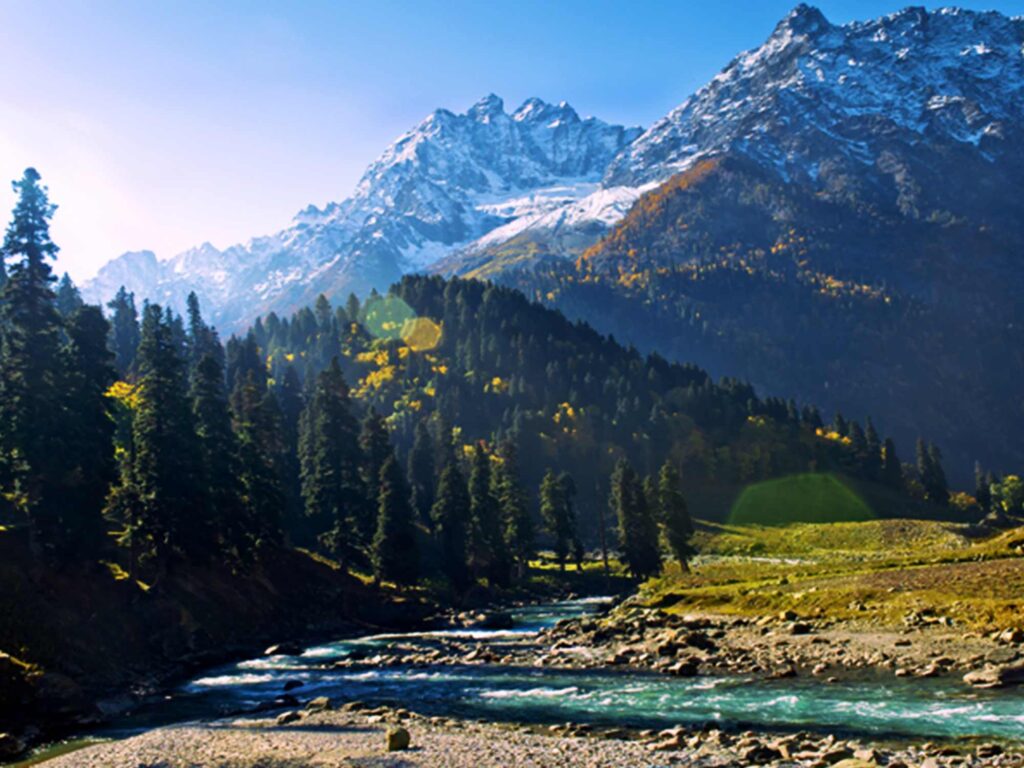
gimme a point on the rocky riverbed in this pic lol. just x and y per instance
(313, 730)
(779, 646)
(356, 735)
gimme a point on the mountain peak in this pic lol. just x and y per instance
(945, 75)
(535, 110)
(804, 19)
(488, 107)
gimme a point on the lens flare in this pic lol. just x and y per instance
(421, 334)
(389, 317)
(805, 498)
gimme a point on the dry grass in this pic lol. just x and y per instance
(874, 573)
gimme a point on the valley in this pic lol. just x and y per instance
(557, 441)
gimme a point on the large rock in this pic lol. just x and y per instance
(494, 620)
(319, 704)
(10, 746)
(291, 716)
(996, 676)
(398, 739)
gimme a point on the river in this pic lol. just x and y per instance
(898, 708)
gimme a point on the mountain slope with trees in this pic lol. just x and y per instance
(168, 496)
(835, 217)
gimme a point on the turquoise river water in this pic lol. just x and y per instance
(893, 708)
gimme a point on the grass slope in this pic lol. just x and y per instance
(874, 573)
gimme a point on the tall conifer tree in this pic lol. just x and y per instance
(331, 484)
(124, 332)
(638, 533)
(33, 450)
(422, 472)
(674, 515)
(394, 554)
(89, 429)
(451, 513)
(487, 552)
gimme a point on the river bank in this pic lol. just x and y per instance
(534, 695)
(354, 736)
(82, 645)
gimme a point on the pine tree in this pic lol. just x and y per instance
(89, 430)
(33, 450)
(218, 453)
(872, 461)
(840, 425)
(68, 297)
(422, 472)
(982, 488)
(931, 474)
(164, 484)
(394, 555)
(638, 533)
(352, 309)
(289, 397)
(518, 524)
(376, 449)
(243, 356)
(556, 510)
(124, 336)
(892, 469)
(939, 488)
(330, 460)
(675, 516)
(451, 513)
(487, 554)
(202, 339)
(858, 445)
(257, 422)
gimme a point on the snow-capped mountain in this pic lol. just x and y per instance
(447, 182)
(856, 109)
(836, 107)
(837, 215)
(913, 76)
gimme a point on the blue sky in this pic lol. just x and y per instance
(161, 125)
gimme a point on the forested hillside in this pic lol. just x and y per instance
(840, 303)
(354, 429)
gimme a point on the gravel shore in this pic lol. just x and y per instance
(331, 739)
(356, 736)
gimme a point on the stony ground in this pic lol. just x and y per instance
(354, 736)
(782, 645)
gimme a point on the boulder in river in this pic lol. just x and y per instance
(289, 716)
(398, 739)
(319, 704)
(494, 620)
(996, 676)
(283, 649)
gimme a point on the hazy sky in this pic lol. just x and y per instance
(161, 125)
